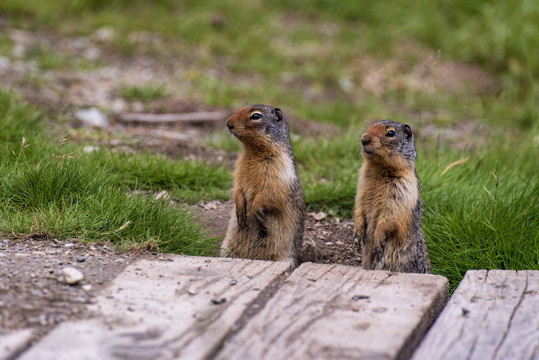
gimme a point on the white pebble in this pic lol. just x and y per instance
(92, 117)
(71, 275)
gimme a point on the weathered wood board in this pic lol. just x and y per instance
(491, 315)
(336, 312)
(13, 343)
(163, 310)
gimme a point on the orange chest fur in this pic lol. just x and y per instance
(378, 194)
(265, 177)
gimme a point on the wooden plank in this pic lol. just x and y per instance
(491, 315)
(163, 310)
(196, 117)
(337, 311)
(15, 342)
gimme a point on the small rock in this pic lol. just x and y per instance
(192, 291)
(81, 258)
(317, 216)
(309, 252)
(359, 297)
(118, 106)
(119, 260)
(233, 282)
(87, 287)
(68, 245)
(162, 195)
(71, 275)
(104, 34)
(92, 117)
(212, 205)
(92, 53)
(218, 301)
(90, 149)
(329, 243)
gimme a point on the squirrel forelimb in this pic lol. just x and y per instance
(241, 208)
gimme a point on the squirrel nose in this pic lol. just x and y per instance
(365, 140)
(229, 125)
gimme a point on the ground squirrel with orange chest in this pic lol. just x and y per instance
(269, 206)
(388, 208)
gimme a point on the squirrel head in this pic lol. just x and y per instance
(260, 127)
(390, 144)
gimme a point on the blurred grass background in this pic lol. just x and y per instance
(464, 74)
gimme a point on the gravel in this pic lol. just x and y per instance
(35, 278)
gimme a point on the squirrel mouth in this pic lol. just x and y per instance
(367, 150)
(233, 132)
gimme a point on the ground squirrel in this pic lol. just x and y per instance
(268, 217)
(387, 213)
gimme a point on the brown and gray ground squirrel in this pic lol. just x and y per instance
(388, 209)
(269, 212)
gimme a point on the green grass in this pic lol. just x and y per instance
(21, 125)
(63, 198)
(146, 92)
(483, 214)
(186, 181)
(46, 189)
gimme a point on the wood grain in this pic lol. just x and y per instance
(15, 342)
(491, 315)
(342, 312)
(195, 117)
(163, 310)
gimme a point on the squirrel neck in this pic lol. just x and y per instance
(400, 169)
(262, 150)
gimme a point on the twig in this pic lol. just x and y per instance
(456, 163)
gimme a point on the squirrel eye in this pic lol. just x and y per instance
(256, 116)
(390, 133)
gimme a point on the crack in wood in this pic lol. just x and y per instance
(509, 323)
(253, 308)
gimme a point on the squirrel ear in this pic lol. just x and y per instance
(279, 114)
(407, 130)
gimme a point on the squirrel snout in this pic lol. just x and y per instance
(365, 140)
(229, 125)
